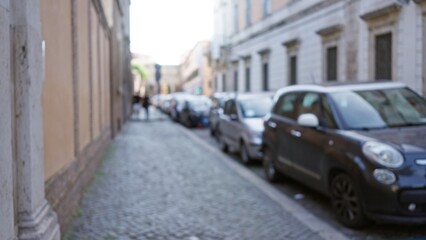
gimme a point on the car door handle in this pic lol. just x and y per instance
(272, 125)
(296, 133)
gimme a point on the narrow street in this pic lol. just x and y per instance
(158, 182)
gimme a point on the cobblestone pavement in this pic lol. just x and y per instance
(157, 183)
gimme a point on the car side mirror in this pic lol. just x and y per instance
(308, 120)
(233, 117)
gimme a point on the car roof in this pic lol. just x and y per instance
(246, 96)
(338, 87)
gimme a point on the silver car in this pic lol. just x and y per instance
(241, 125)
(216, 110)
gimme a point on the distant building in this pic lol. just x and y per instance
(262, 45)
(196, 70)
(65, 92)
(170, 77)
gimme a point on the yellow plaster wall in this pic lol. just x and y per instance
(57, 97)
(84, 73)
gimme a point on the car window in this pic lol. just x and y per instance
(328, 119)
(255, 108)
(286, 106)
(380, 108)
(318, 105)
(310, 104)
(230, 107)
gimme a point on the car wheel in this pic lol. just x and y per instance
(269, 168)
(223, 146)
(244, 155)
(346, 202)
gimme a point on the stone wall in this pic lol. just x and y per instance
(65, 189)
(7, 215)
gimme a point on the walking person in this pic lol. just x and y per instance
(145, 104)
(136, 106)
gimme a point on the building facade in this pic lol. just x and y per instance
(170, 77)
(65, 89)
(263, 45)
(196, 70)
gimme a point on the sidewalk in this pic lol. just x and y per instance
(157, 182)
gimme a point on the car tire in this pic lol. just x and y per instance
(222, 144)
(346, 202)
(271, 172)
(244, 154)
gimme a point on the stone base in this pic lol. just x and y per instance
(65, 189)
(41, 225)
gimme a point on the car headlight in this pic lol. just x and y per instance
(383, 154)
(384, 176)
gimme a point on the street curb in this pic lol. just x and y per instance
(296, 210)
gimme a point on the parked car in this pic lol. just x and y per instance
(165, 102)
(195, 111)
(216, 110)
(363, 145)
(176, 105)
(241, 126)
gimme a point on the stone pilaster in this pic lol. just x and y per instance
(36, 219)
(7, 218)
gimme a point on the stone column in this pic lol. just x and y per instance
(36, 219)
(7, 218)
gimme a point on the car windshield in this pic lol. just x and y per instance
(199, 105)
(255, 108)
(380, 108)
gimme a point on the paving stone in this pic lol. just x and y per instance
(156, 183)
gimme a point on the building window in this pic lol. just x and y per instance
(236, 80)
(265, 68)
(331, 63)
(248, 79)
(383, 31)
(331, 38)
(224, 83)
(266, 7)
(248, 12)
(292, 50)
(293, 70)
(383, 57)
(265, 77)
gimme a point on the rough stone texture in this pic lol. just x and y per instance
(156, 183)
(65, 189)
(6, 177)
(36, 220)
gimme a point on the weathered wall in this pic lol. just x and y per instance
(83, 72)
(257, 11)
(95, 28)
(278, 4)
(106, 80)
(58, 115)
(6, 176)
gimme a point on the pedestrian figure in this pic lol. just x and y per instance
(136, 106)
(145, 104)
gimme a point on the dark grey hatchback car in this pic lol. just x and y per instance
(363, 145)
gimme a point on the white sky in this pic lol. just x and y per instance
(166, 29)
